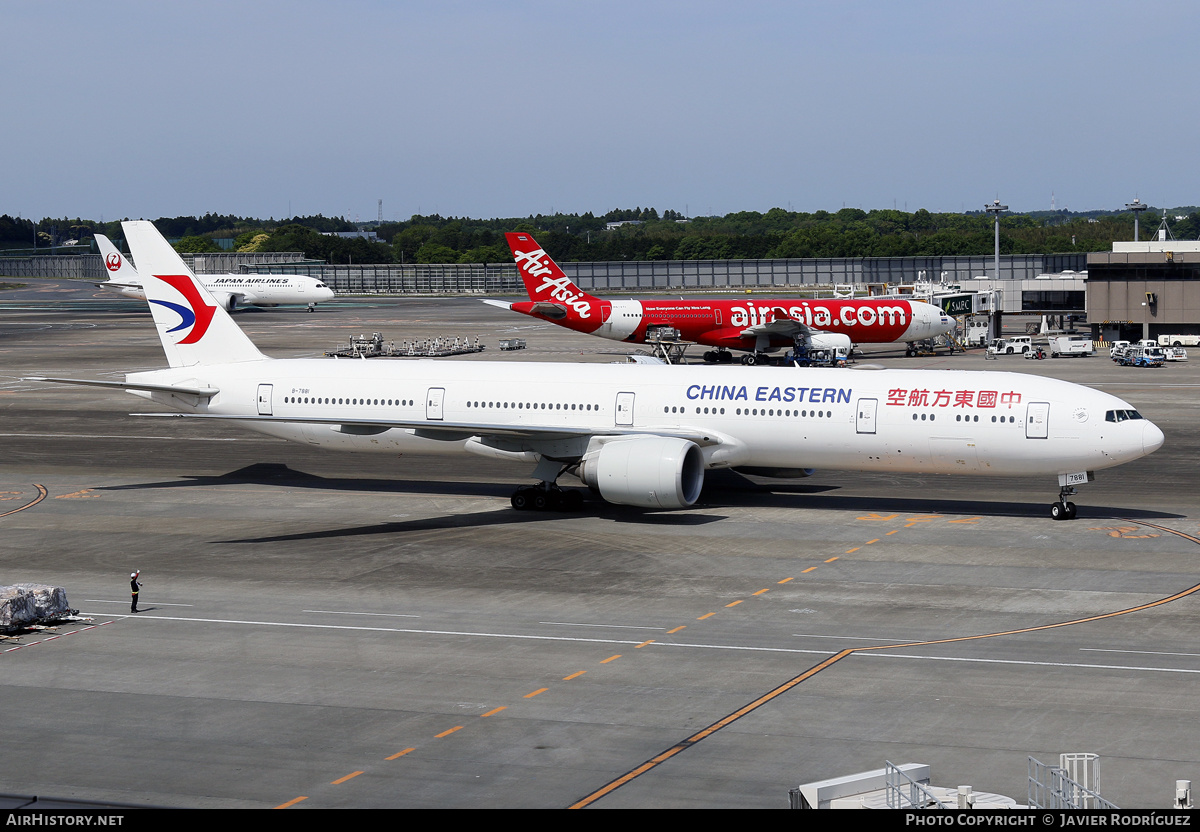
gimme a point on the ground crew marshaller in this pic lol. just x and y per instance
(134, 583)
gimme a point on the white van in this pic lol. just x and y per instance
(1018, 344)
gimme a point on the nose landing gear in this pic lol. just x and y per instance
(1063, 509)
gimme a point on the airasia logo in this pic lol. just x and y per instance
(823, 316)
(563, 289)
(113, 261)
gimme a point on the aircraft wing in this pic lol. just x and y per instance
(450, 431)
(782, 324)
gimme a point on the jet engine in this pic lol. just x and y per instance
(829, 341)
(650, 472)
(228, 300)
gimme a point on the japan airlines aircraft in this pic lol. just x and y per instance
(639, 435)
(229, 290)
(759, 326)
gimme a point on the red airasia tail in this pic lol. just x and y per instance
(757, 326)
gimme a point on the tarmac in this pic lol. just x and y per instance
(326, 631)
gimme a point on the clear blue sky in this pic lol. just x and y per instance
(486, 109)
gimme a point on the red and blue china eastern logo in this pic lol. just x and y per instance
(197, 315)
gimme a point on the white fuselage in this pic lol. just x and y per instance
(252, 289)
(868, 420)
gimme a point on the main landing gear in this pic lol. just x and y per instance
(546, 497)
(718, 357)
(1063, 509)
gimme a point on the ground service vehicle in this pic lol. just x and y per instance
(1142, 356)
(1009, 346)
(1071, 345)
(1179, 340)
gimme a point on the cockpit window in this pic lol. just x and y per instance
(1122, 415)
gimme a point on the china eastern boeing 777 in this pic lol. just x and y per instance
(639, 435)
(757, 326)
(229, 290)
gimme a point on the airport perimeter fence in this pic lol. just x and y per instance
(91, 266)
(666, 275)
(604, 277)
(71, 266)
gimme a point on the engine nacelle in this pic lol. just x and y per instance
(650, 472)
(228, 300)
(829, 341)
(476, 447)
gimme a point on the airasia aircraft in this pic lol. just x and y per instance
(639, 435)
(757, 326)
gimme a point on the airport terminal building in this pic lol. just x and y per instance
(1144, 290)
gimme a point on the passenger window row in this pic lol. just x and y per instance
(961, 418)
(796, 414)
(757, 411)
(533, 406)
(328, 400)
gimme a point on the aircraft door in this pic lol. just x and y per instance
(866, 415)
(717, 316)
(1037, 420)
(624, 411)
(264, 399)
(433, 402)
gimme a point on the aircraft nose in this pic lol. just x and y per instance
(937, 322)
(1152, 438)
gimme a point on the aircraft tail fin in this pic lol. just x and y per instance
(192, 326)
(544, 280)
(119, 268)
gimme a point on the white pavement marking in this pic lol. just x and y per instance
(525, 637)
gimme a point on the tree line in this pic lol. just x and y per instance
(644, 234)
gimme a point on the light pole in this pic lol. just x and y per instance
(995, 209)
(995, 322)
(1137, 207)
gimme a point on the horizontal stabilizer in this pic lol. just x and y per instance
(200, 392)
(553, 311)
(502, 304)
